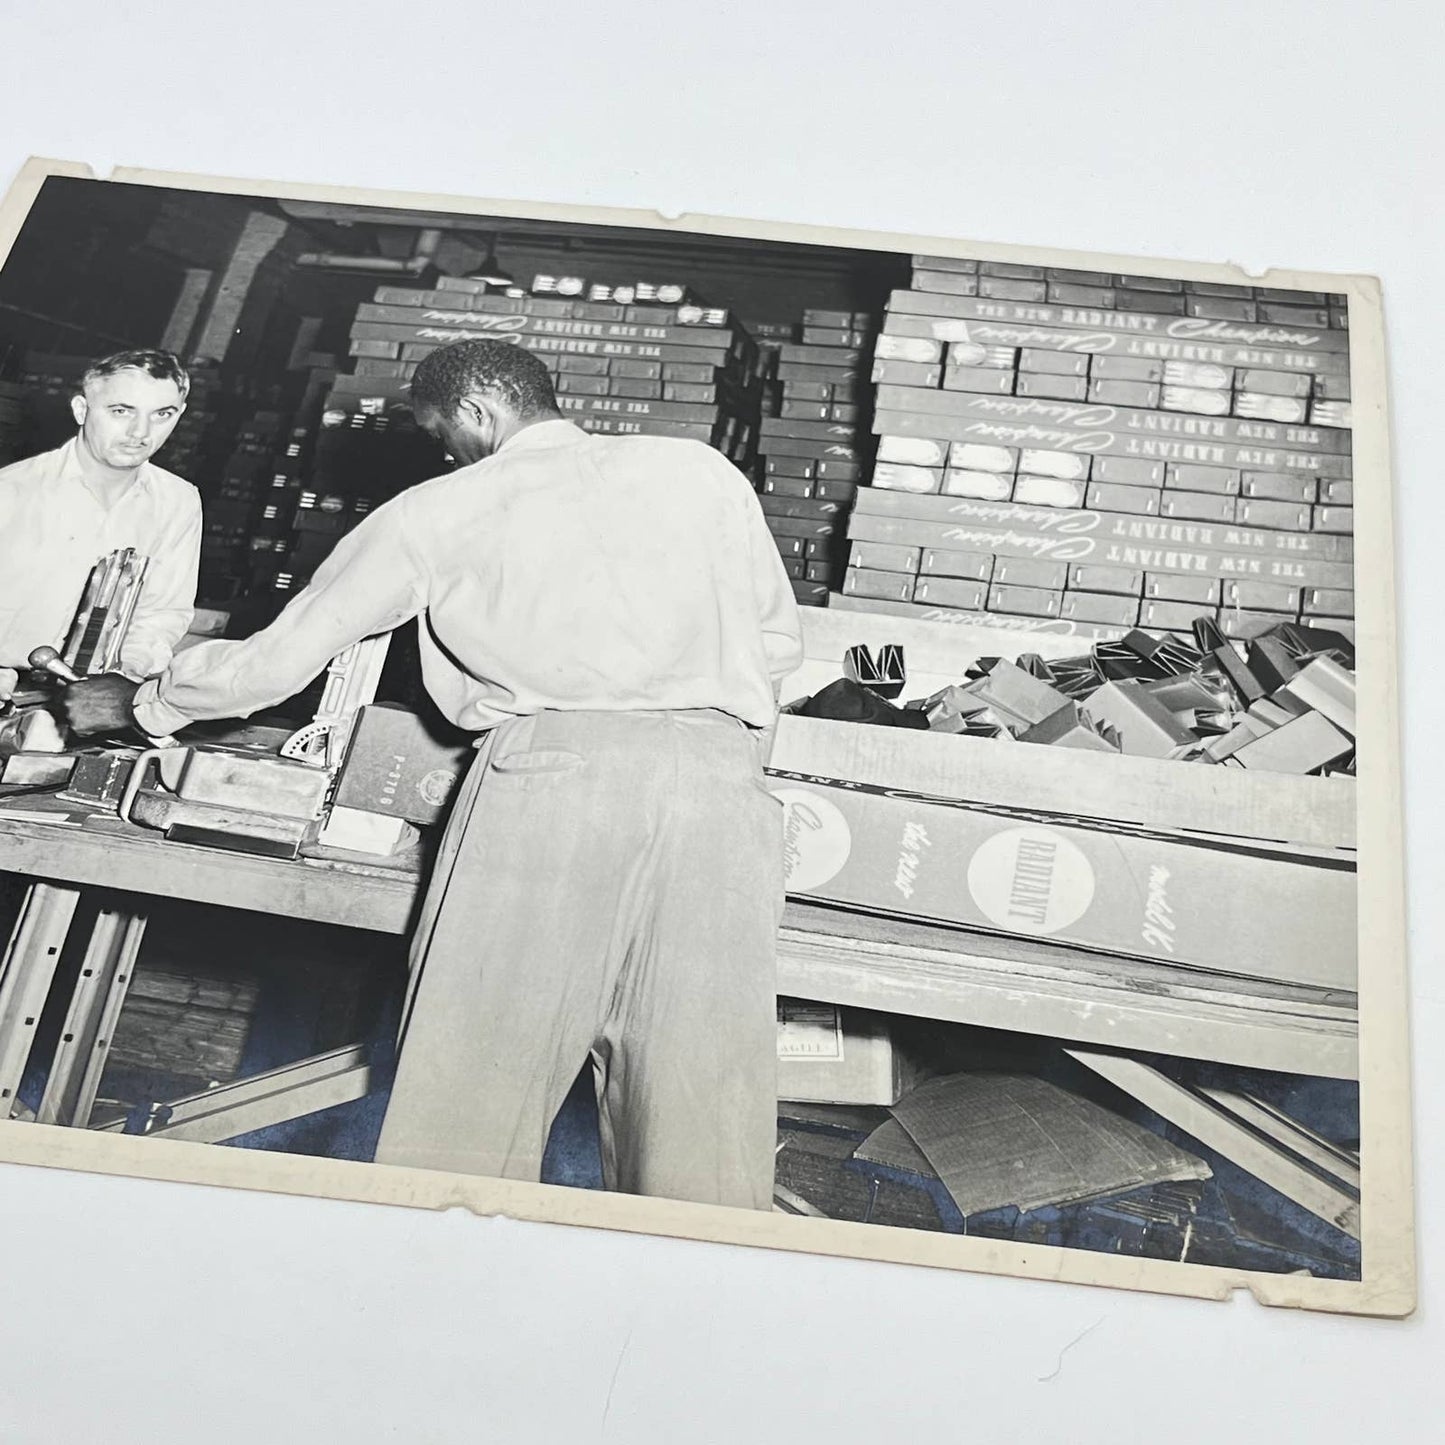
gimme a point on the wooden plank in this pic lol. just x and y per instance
(1314, 813)
(132, 861)
(944, 974)
(1104, 1002)
(1218, 1129)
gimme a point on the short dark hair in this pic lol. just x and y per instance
(514, 375)
(162, 365)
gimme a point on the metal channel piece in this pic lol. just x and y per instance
(1294, 1136)
(290, 1092)
(95, 1005)
(1218, 1129)
(26, 974)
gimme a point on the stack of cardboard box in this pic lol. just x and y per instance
(11, 422)
(1091, 452)
(815, 445)
(640, 359)
(235, 505)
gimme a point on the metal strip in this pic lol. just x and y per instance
(95, 1005)
(290, 1092)
(1217, 1129)
(26, 973)
(1294, 1136)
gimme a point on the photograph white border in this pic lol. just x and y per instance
(1388, 1283)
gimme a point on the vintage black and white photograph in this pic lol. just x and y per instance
(674, 714)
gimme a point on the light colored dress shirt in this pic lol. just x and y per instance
(53, 531)
(566, 571)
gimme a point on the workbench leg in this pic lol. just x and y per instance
(100, 993)
(26, 974)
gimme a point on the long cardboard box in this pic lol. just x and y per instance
(933, 854)
(1036, 628)
(1101, 415)
(808, 430)
(1100, 551)
(421, 341)
(409, 317)
(923, 331)
(1049, 521)
(1091, 318)
(1005, 432)
(627, 406)
(1313, 813)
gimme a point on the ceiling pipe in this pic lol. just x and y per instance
(421, 259)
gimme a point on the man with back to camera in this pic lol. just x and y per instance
(613, 616)
(62, 511)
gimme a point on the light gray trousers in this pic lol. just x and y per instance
(608, 884)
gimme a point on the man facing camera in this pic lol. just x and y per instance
(64, 510)
(612, 616)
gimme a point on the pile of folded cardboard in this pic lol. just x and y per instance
(1283, 702)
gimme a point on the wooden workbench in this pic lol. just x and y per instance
(826, 954)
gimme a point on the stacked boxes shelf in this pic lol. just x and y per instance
(815, 445)
(640, 359)
(638, 367)
(12, 413)
(1094, 452)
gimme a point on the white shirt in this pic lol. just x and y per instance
(566, 571)
(53, 531)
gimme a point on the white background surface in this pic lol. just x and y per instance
(1266, 133)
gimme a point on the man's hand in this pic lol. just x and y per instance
(100, 704)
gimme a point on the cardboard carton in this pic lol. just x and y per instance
(984, 486)
(1299, 746)
(895, 476)
(1068, 466)
(1123, 393)
(1069, 728)
(832, 1055)
(1144, 726)
(1051, 387)
(396, 766)
(1113, 497)
(1197, 507)
(1098, 607)
(950, 592)
(1049, 492)
(1128, 471)
(1120, 580)
(1056, 363)
(930, 855)
(882, 558)
(942, 562)
(864, 582)
(1220, 481)
(1024, 601)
